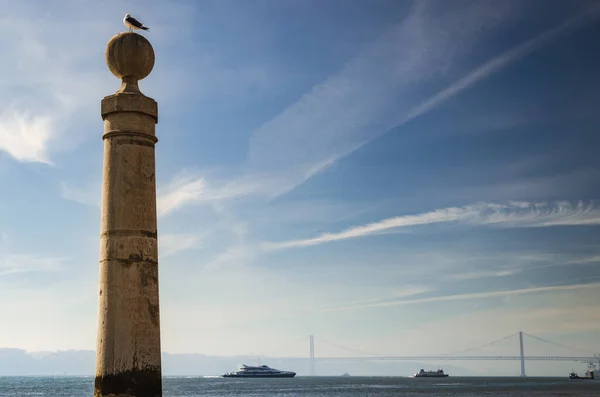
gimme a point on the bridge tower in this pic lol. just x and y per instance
(312, 355)
(523, 375)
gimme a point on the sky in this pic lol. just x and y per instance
(399, 177)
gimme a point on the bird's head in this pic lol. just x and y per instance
(127, 15)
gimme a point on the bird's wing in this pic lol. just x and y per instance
(134, 22)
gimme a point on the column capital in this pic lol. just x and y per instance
(129, 102)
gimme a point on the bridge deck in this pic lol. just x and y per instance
(464, 358)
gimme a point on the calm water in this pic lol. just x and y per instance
(317, 387)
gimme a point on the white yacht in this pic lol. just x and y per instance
(261, 371)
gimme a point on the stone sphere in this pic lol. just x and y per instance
(129, 55)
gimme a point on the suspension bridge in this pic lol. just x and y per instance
(585, 357)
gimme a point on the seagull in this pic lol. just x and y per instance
(133, 23)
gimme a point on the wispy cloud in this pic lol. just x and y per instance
(360, 102)
(13, 263)
(398, 293)
(513, 264)
(89, 195)
(484, 274)
(501, 61)
(513, 214)
(189, 188)
(180, 191)
(170, 244)
(478, 295)
(352, 107)
(584, 261)
(25, 263)
(239, 254)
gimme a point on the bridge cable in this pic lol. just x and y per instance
(277, 349)
(558, 344)
(351, 350)
(291, 344)
(480, 347)
(447, 354)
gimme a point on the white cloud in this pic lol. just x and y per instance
(354, 106)
(55, 87)
(182, 190)
(89, 195)
(518, 264)
(170, 244)
(25, 263)
(501, 61)
(398, 292)
(504, 215)
(360, 102)
(482, 274)
(235, 255)
(239, 252)
(13, 263)
(63, 74)
(25, 137)
(189, 188)
(478, 295)
(584, 261)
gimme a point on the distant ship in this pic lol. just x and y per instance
(261, 371)
(430, 374)
(345, 374)
(588, 375)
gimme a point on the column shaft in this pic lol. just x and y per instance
(128, 360)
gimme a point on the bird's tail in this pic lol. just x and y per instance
(145, 28)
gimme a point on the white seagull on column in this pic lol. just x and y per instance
(133, 23)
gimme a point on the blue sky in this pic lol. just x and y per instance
(368, 172)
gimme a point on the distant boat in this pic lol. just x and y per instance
(260, 371)
(345, 374)
(430, 374)
(588, 375)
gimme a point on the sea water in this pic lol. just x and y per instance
(316, 387)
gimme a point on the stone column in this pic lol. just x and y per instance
(128, 356)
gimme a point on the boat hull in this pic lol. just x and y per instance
(288, 375)
(431, 376)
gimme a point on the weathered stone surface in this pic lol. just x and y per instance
(130, 57)
(128, 358)
(129, 54)
(129, 185)
(136, 383)
(125, 102)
